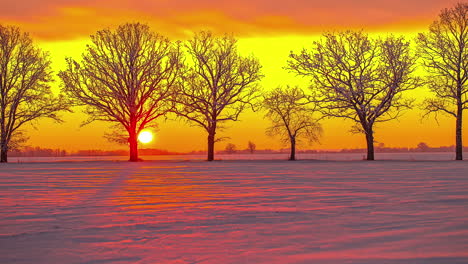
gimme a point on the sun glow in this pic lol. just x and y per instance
(145, 137)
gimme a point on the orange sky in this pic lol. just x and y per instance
(267, 28)
(67, 19)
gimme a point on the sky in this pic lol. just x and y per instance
(268, 29)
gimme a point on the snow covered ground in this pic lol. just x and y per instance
(249, 211)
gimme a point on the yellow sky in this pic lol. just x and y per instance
(270, 32)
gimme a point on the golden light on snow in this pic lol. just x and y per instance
(145, 137)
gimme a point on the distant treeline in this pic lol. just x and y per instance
(47, 152)
(399, 150)
(38, 152)
(421, 147)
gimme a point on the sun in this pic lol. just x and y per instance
(145, 137)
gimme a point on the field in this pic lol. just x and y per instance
(234, 211)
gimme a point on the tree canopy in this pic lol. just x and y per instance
(217, 85)
(356, 77)
(444, 54)
(25, 94)
(125, 76)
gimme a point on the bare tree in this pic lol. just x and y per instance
(218, 84)
(422, 146)
(359, 78)
(125, 76)
(292, 118)
(444, 52)
(25, 94)
(251, 147)
(230, 148)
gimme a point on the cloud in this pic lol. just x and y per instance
(65, 19)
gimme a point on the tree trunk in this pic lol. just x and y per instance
(293, 149)
(211, 141)
(3, 150)
(458, 134)
(133, 142)
(3, 155)
(370, 143)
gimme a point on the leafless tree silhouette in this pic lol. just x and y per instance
(125, 76)
(422, 146)
(230, 148)
(359, 78)
(218, 84)
(444, 52)
(25, 93)
(292, 118)
(251, 147)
